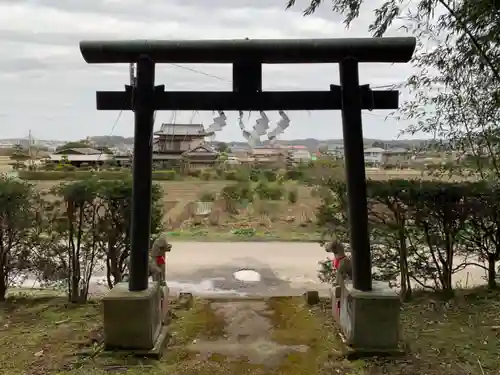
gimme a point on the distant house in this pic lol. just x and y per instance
(200, 157)
(336, 150)
(397, 156)
(77, 156)
(374, 155)
(176, 143)
(299, 153)
(378, 156)
(267, 155)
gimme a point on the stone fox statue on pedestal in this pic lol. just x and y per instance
(156, 262)
(158, 270)
(341, 263)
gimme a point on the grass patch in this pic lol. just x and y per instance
(42, 335)
(39, 334)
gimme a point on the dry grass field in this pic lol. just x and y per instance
(4, 164)
(266, 220)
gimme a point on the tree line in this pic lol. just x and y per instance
(422, 232)
(58, 237)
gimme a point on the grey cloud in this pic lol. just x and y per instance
(22, 64)
(60, 88)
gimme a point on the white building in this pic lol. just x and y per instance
(374, 155)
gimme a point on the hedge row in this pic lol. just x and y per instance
(231, 175)
(83, 175)
(422, 231)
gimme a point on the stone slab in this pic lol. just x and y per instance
(370, 320)
(155, 353)
(132, 320)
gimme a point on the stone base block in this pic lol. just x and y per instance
(370, 320)
(132, 320)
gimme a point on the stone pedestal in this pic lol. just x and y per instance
(370, 320)
(133, 321)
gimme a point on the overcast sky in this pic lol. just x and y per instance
(48, 88)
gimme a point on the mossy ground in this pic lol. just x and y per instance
(45, 335)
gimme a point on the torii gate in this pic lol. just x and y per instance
(247, 57)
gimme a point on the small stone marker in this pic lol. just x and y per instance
(185, 300)
(311, 297)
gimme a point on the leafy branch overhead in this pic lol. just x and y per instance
(455, 91)
(472, 24)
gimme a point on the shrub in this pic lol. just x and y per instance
(294, 175)
(206, 175)
(270, 175)
(231, 175)
(419, 229)
(207, 196)
(17, 215)
(237, 192)
(269, 191)
(255, 175)
(293, 195)
(194, 172)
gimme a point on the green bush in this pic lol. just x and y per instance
(255, 175)
(207, 196)
(231, 175)
(194, 173)
(270, 175)
(237, 192)
(294, 175)
(206, 175)
(269, 191)
(293, 195)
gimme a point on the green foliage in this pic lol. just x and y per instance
(238, 192)
(293, 195)
(78, 174)
(270, 175)
(222, 147)
(207, 196)
(418, 228)
(16, 219)
(18, 156)
(244, 232)
(269, 191)
(231, 175)
(206, 175)
(294, 174)
(60, 240)
(194, 172)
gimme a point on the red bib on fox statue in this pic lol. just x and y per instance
(341, 264)
(336, 265)
(160, 260)
(336, 262)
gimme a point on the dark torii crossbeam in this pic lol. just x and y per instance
(247, 57)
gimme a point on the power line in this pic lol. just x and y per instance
(200, 72)
(389, 86)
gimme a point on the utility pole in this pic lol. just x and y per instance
(132, 74)
(29, 148)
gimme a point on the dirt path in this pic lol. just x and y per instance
(246, 335)
(268, 336)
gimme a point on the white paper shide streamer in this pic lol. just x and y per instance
(261, 128)
(218, 124)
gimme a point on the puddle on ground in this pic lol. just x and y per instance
(99, 286)
(246, 335)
